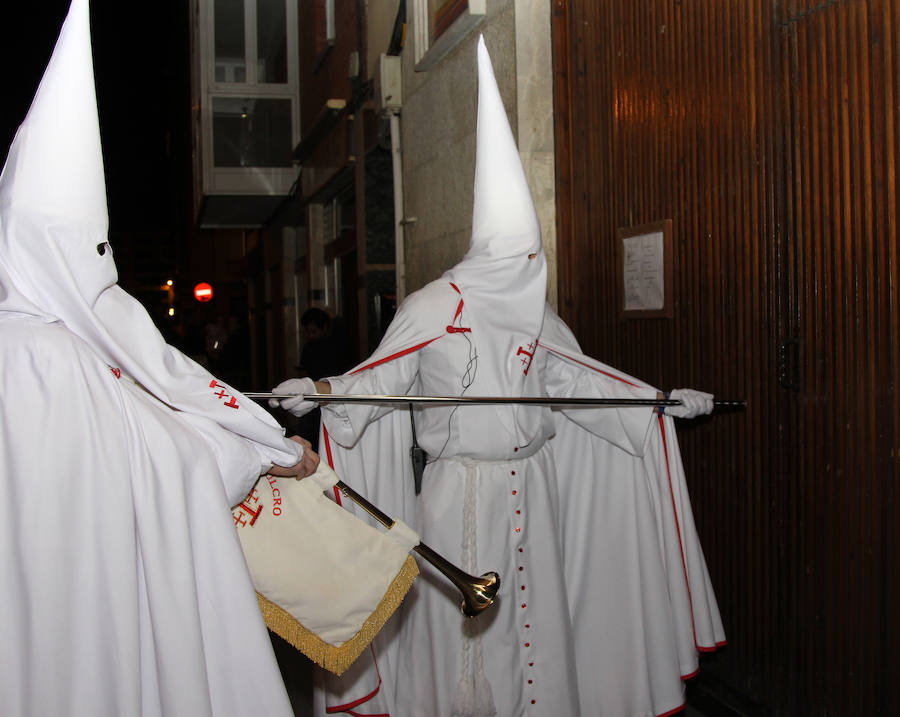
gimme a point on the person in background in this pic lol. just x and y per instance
(324, 354)
(324, 350)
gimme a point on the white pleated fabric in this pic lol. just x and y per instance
(125, 590)
(639, 590)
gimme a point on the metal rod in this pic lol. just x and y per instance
(492, 400)
(382, 517)
(477, 593)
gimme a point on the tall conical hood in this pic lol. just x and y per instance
(56, 167)
(53, 218)
(55, 262)
(503, 277)
(504, 222)
(497, 269)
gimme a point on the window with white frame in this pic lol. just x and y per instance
(249, 95)
(439, 25)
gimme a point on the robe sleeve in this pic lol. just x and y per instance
(240, 460)
(624, 427)
(347, 421)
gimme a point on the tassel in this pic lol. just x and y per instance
(464, 699)
(484, 697)
(473, 697)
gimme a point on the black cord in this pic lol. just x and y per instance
(466, 380)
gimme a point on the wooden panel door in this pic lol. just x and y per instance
(840, 108)
(767, 132)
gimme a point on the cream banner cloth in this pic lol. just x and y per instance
(326, 581)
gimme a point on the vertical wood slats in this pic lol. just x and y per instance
(768, 132)
(891, 307)
(839, 169)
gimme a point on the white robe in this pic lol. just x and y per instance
(125, 591)
(640, 596)
(536, 502)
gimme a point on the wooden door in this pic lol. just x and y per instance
(840, 68)
(767, 132)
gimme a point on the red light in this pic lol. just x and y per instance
(203, 292)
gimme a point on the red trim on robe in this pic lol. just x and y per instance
(700, 648)
(337, 709)
(721, 643)
(412, 349)
(687, 583)
(674, 512)
(592, 368)
(337, 493)
(459, 306)
(350, 705)
(397, 355)
(674, 711)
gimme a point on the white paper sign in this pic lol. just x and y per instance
(643, 272)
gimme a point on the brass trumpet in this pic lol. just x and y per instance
(478, 593)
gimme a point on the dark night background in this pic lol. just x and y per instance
(141, 69)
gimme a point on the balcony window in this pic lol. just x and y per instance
(230, 48)
(251, 132)
(248, 95)
(271, 42)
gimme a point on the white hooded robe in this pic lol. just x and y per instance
(124, 589)
(594, 615)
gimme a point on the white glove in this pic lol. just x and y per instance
(295, 403)
(693, 403)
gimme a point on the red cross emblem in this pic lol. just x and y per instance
(244, 511)
(527, 356)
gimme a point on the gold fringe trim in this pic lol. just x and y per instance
(337, 659)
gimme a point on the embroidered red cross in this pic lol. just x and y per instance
(527, 356)
(221, 394)
(243, 512)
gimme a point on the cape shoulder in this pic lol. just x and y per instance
(422, 317)
(558, 339)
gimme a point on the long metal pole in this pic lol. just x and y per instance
(492, 400)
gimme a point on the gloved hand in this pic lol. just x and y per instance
(693, 403)
(294, 403)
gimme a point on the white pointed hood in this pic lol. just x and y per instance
(52, 186)
(504, 223)
(54, 260)
(503, 291)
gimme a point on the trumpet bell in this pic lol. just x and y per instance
(479, 594)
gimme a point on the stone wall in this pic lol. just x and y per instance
(438, 124)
